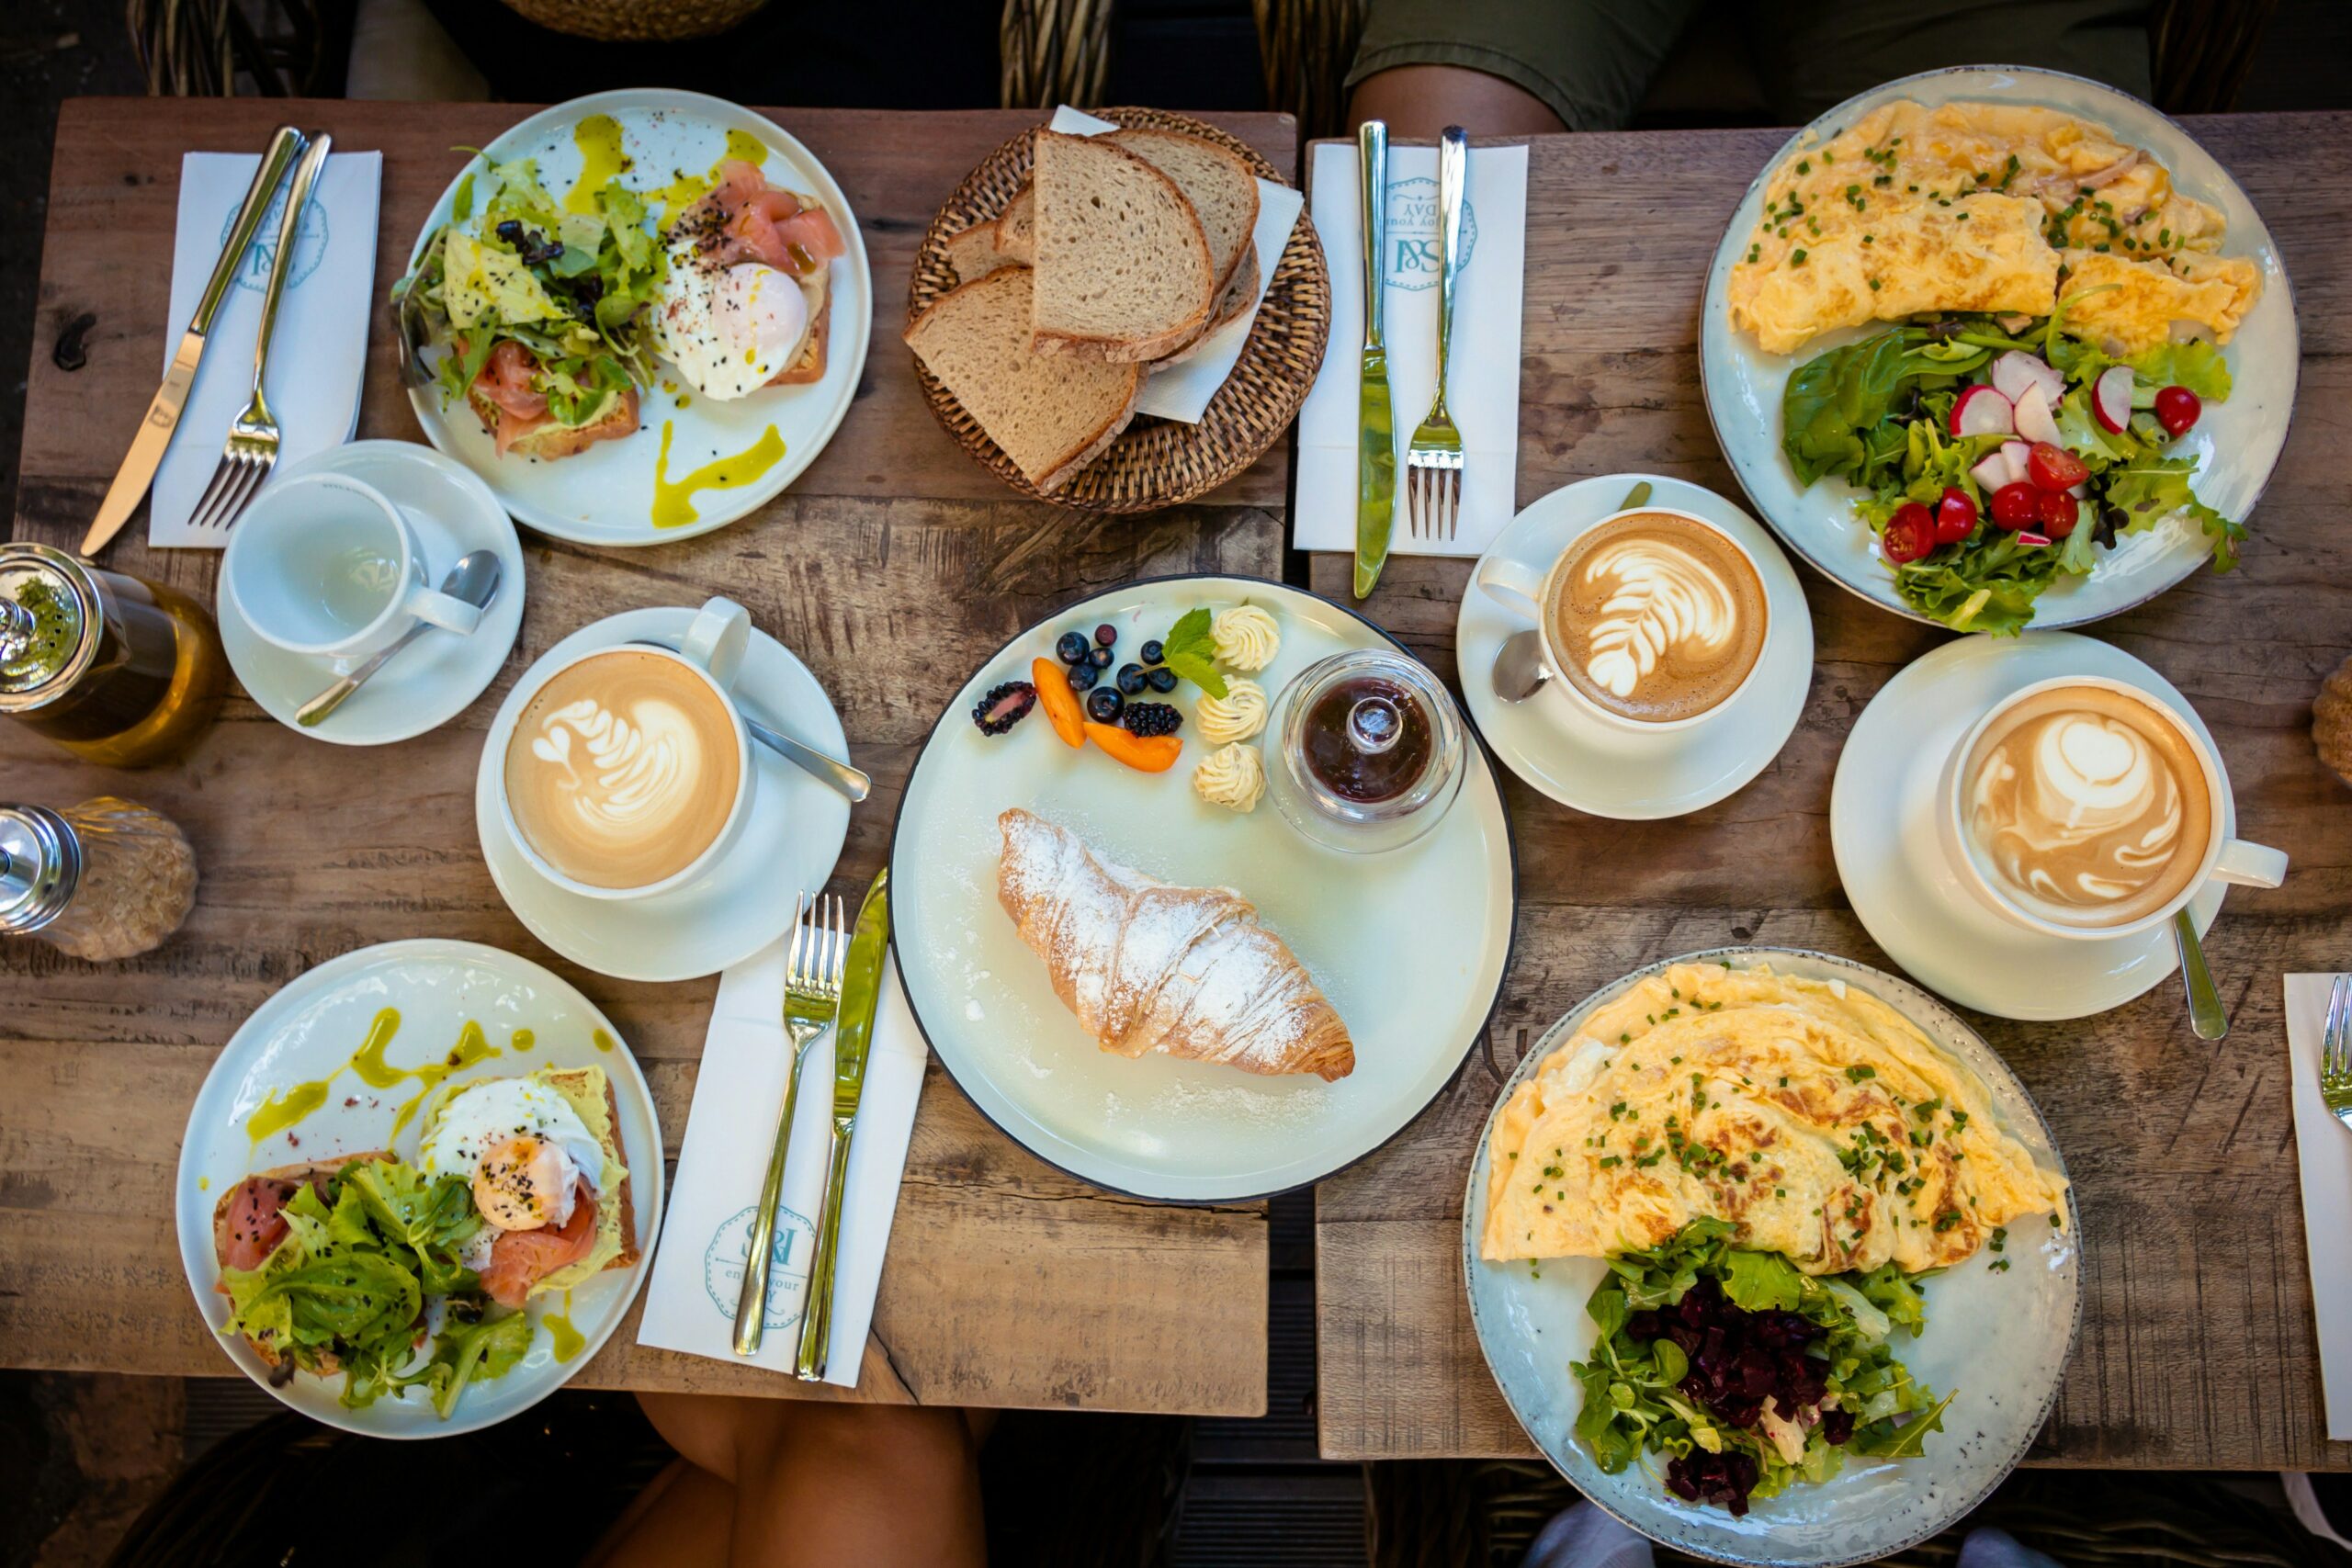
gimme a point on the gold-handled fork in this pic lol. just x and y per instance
(2336, 1053)
(812, 994)
(1433, 462)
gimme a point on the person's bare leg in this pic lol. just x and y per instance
(819, 1483)
(1418, 101)
(684, 1519)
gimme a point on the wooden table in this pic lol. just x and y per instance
(2197, 1346)
(892, 568)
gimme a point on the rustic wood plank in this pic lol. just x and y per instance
(895, 566)
(2197, 1347)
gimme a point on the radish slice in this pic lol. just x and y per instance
(2033, 538)
(2014, 453)
(2014, 371)
(1981, 410)
(2034, 420)
(2079, 491)
(2111, 398)
(1991, 472)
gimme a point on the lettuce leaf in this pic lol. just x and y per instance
(1759, 1281)
(2153, 489)
(465, 1353)
(2196, 365)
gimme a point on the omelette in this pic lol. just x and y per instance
(1992, 207)
(1815, 1119)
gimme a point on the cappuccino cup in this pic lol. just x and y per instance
(625, 771)
(2085, 808)
(323, 565)
(1650, 619)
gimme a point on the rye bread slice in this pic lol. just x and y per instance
(1215, 180)
(974, 253)
(1050, 416)
(1231, 306)
(1016, 227)
(1123, 266)
(301, 1173)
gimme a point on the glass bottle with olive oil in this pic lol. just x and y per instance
(121, 671)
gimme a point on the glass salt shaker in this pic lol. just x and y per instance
(105, 879)
(1368, 751)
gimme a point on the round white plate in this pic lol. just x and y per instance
(309, 1030)
(2236, 444)
(741, 905)
(1558, 747)
(2002, 1339)
(1882, 830)
(1410, 945)
(604, 495)
(434, 679)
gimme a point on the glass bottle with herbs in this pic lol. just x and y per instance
(121, 671)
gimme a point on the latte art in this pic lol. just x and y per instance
(2085, 808)
(1657, 617)
(623, 770)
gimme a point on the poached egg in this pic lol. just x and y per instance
(729, 330)
(520, 1145)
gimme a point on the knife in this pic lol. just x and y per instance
(853, 1038)
(1376, 433)
(138, 471)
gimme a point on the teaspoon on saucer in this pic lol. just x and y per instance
(2205, 1015)
(474, 579)
(1518, 667)
(830, 772)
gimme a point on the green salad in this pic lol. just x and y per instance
(1746, 1374)
(348, 1284)
(1999, 455)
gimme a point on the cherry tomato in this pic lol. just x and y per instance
(2060, 512)
(2055, 468)
(1955, 515)
(2017, 506)
(2177, 409)
(1910, 533)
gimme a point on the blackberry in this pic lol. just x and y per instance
(1105, 704)
(1160, 677)
(1082, 676)
(1004, 706)
(1071, 647)
(1131, 679)
(1147, 719)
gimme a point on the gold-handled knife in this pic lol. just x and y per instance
(1376, 429)
(139, 464)
(853, 1041)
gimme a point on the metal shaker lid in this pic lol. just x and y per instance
(41, 862)
(49, 622)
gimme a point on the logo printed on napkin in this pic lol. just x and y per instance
(789, 1250)
(1413, 250)
(309, 242)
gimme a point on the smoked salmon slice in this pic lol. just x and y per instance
(519, 1259)
(248, 1227)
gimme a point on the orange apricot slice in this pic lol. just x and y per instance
(1060, 703)
(1145, 753)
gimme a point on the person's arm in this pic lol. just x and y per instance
(1418, 101)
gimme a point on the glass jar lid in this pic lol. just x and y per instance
(50, 620)
(1369, 737)
(41, 862)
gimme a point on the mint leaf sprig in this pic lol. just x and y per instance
(1189, 650)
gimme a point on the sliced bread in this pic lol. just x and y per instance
(1239, 294)
(1123, 266)
(1052, 417)
(1016, 227)
(974, 253)
(1215, 180)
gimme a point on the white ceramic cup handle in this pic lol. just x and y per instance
(2250, 866)
(445, 611)
(714, 643)
(1514, 585)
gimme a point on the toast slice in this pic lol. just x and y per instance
(1215, 180)
(809, 366)
(1052, 417)
(302, 1173)
(1123, 266)
(574, 1083)
(548, 439)
(1239, 295)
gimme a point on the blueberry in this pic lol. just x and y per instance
(1082, 676)
(1163, 679)
(1106, 633)
(1131, 679)
(1152, 653)
(1100, 657)
(1072, 647)
(1104, 706)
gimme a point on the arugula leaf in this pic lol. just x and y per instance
(1189, 650)
(1908, 1440)
(2154, 489)
(1760, 1281)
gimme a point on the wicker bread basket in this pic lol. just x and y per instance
(635, 21)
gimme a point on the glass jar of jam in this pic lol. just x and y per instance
(1367, 753)
(119, 672)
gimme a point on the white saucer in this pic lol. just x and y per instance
(434, 679)
(795, 834)
(1882, 829)
(1576, 759)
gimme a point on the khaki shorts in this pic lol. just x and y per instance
(1591, 61)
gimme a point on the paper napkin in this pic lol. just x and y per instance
(746, 1060)
(1182, 391)
(2325, 1150)
(319, 351)
(1482, 389)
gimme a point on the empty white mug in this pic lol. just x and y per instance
(322, 564)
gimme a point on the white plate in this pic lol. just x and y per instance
(1409, 946)
(309, 1030)
(1558, 747)
(1882, 829)
(2236, 444)
(604, 495)
(435, 678)
(742, 904)
(2002, 1339)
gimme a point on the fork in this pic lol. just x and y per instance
(812, 994)
(2336, 1053)
(1433, 462)
(251, 448)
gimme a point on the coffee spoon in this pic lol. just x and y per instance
(474, 580)
(1518, 667)
(830, 772)
(2205, 1015)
